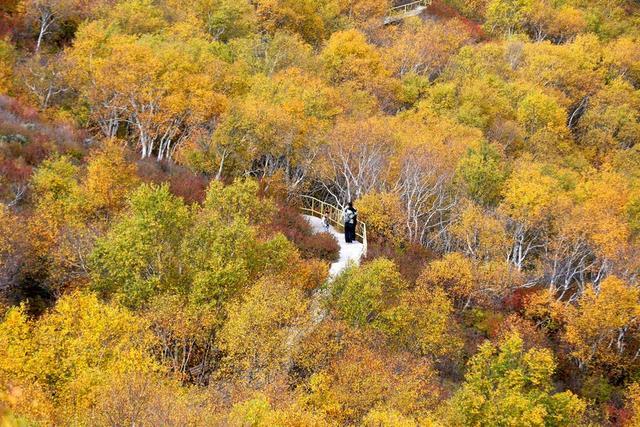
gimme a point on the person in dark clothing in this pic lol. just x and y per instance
(350, 222)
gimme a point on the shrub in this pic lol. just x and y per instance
(297, 229)
(310, 274)
(321, 245)
(190, 187)
(182, 182)
(367, 294)
(410, 259)
(385, 217)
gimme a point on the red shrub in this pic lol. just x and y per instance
(6, 25)
(439, 9)
(290, 223)
(192, 188)
(410, 259)
(35, 153)
(13, 171)
(618, 416)
(151, 171)
(298, 230)
(322, 245)
(182, 182)
(532, 336)
(27, 135)
(515, 301)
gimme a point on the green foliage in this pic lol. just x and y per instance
(137, 258)
(498, 155)
(507, 16)
(56, 188)
(207, 253)
(483, 173)
(364, 295)
(375, 296)
(507, 385)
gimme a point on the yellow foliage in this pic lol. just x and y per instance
(624, 55)
(59, 204)
(365, 13)
(387, 418)
(259, 412)
(161, 83)
(110, 178)
(7, 62)
(594, 328)
(361, 380)
(255, 336)
(543, 308)
(454, 273)
(423, 322)
(309, 274)
(425, 48)
(482, 236)
(57, 190)
(348, 57)
(505, 384)
(601, 214)
(149, 398)
(384, 215)
(530, 196)
(469, 281)
(304, 17)
(60, 359)
(540, 130)
(137, 16)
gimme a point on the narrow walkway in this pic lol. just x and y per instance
(396, 18)
(348, 251)
(405, 9)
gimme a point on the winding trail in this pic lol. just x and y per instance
(350, 253)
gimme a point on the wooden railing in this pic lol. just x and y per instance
(315, 207)
(397, 12)
(404, 8)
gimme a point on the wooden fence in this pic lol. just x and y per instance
(315, 207)
(402, 11)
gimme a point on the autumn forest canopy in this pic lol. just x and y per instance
(155, 269)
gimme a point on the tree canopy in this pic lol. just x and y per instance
(155, 268)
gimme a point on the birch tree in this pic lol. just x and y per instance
(157, 90)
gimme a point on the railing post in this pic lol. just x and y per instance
(334, 214)
(364, 240)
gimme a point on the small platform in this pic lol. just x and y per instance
(349, 252)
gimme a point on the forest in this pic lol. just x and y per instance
(155, 269)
